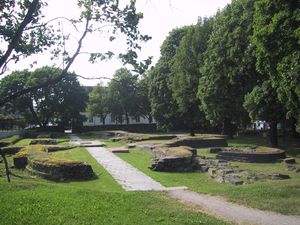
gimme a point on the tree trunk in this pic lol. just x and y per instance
(6, 166)
(273, 134)
(103, 120)
(294, 132)
(192, 131)
(35, 117)
(227, 128)
(127, 118)
(150, 119)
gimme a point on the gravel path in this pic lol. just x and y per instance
(131, 179)
(233, 212)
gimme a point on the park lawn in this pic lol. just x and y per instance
(30, 200)
(279, 196)
(26, 141)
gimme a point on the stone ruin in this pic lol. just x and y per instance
(179, 155)
(176, 159)
(169, 158)
(36, 160)
(251, 154)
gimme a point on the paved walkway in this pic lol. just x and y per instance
(131, 179)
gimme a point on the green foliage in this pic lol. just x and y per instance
(23, 31)
(143, 101)
(23, 34)
(186, 74)
(98, 102)
(122, 94)
(277, 40)
(164, 107)
(59, 104)
(229, 65)
(262, 103)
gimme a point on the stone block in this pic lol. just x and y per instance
(120, 150)
(215, 149)
(131, 146)
(43, 142)
(289, 160)
(233, 179)
(295, 169)
(279, 176)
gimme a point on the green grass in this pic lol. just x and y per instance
(26, 141)
(30, 200)
(108, 142)
(280, 196)
(51, 204)
(11, 139)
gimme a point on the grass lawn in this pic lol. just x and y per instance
(32, 200)
(280, 196)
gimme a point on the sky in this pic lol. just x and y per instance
(160, 17)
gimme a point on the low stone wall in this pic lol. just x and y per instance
(198, 142)
(55, 169)
(177, 159)
(174, 164)
(43, 142)
(260, 157)
(35, 158)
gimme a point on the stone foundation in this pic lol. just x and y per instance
(43, 142)
(55, 169)
(259, 154)
(198, 142)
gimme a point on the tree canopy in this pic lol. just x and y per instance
(24, 33)
(277, 40)
(58, 104)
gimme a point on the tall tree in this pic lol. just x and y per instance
(122, 92)
(143, 102)
(98, 102)
(23, 105)
(164, 107)
(186, 74)
(277, 40)
(229, 66)
(262, 104)
(59, 104)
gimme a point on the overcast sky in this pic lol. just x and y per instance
(160, 17)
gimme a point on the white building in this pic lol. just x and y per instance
(111, 120)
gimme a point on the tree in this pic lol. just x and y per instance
(59, 104)
(122, 92)
(262, 104)
(23, 105)
(164, 107)
(228, 72)
(277, 40)
(143, 102)
(186, 74)
(98, 102)
(22, 30)
(26, 34)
